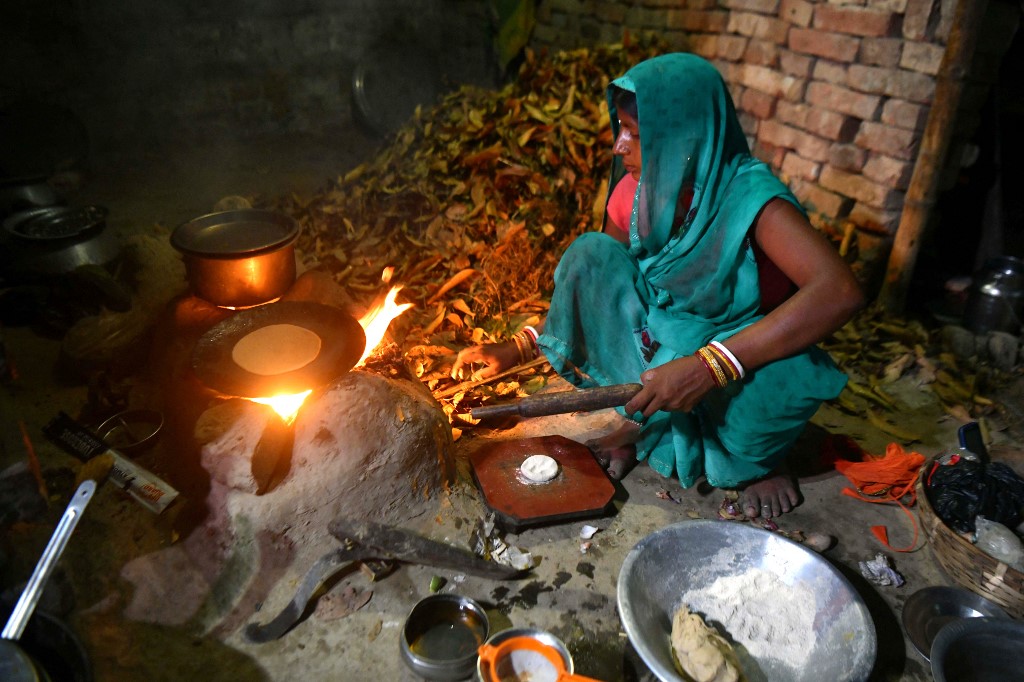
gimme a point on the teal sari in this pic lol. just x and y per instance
(684, 280)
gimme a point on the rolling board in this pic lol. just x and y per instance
(581, 490)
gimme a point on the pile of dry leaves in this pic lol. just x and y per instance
(472, 203)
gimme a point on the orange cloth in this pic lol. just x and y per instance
(888, 478)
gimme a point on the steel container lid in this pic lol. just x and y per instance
(241, 232)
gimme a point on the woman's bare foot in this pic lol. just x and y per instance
(771, 496)
(616, 452)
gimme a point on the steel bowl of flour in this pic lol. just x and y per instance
(789, 614)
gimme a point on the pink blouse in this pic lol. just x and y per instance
(775, 286)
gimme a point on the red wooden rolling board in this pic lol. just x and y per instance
(581, 489)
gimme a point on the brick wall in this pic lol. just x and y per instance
(833, 94)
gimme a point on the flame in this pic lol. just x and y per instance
(285, 405)
(376, 320)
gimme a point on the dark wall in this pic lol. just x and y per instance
(154, 70)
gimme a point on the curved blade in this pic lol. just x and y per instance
(321, 571)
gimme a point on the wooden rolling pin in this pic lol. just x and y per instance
(583, 399)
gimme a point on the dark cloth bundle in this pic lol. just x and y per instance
(960, 492)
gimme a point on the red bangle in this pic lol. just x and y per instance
(708, 367)
(724, 360)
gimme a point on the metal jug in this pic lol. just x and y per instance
(996, 298)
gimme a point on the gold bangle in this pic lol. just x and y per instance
(724, 361)
(528, 350)
(707, 364)
(720, 379)
(722, 376)
(519, 347)
(530, 343)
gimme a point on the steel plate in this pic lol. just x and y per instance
(390, 81)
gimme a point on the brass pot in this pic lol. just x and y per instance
(238, 258)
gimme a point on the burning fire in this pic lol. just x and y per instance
(377, 319)
(374, 323)
(285, 405)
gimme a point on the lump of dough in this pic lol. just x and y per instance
(276, 349)
(699, 652)
(539, 468)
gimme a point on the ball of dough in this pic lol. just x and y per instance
(699, 652)
(539, 468)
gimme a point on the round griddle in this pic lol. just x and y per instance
(342, 342)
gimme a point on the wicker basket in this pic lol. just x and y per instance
(967, 565)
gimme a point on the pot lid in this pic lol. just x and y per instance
(55, 222)
(229, 234)
(341, 342)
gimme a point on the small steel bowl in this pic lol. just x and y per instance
(441, 636)
(930, 609)
(131, 431)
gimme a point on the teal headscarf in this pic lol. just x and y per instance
(685, 278)
(691, 138)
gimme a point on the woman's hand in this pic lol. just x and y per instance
(675, 386)
(495, 357)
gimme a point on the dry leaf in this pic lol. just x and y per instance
(454, 281)
(338, 604)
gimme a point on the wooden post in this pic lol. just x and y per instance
(921, 194)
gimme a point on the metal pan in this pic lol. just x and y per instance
(342, 344)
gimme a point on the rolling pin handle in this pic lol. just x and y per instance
(561, 402)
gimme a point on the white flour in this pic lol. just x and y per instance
(759, 611)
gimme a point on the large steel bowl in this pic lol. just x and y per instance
(692, 555)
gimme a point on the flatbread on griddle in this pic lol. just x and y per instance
(342, 342)
(276, 349)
